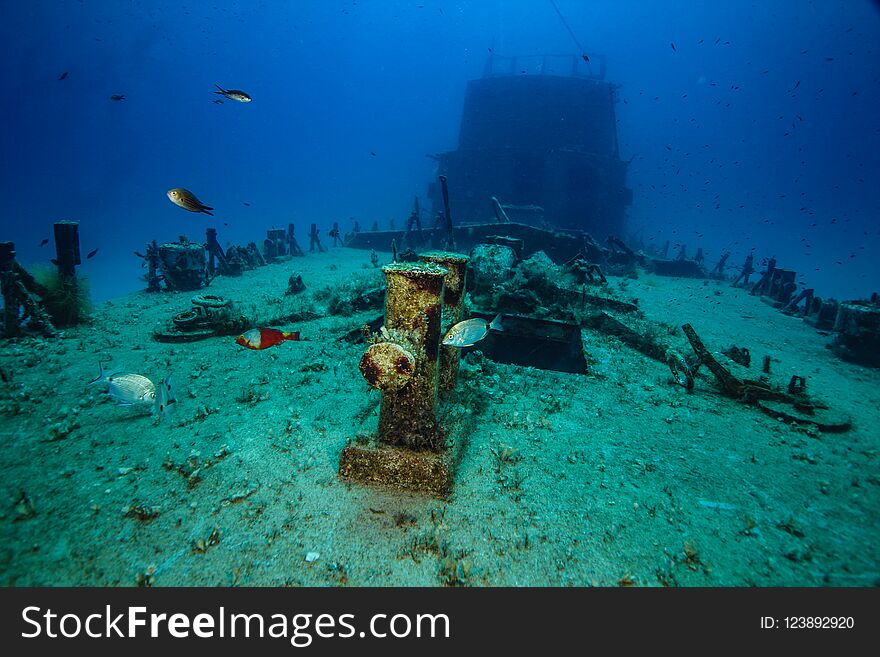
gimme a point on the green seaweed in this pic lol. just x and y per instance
(66, 299)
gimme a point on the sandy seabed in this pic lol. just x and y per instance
(616, 477)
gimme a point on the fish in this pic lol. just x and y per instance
(471, 331)
(165, 398)
(117, 97)
(263, 338)
(126, 388)
(63, 76)
(92, 254)
(187, 200)
(585, 58)
(233, 94)
(44, 242)
(135, 389)
(673, 46)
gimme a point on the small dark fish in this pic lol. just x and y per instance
(246, 203)
(117, 97)
(585, 58)
(673, 46)
(63, 76)
(44, 242)
(372, 153)
(54, 262)
(92, 254)
(233, 94)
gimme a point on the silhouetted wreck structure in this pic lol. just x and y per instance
(540, 134)
(537, 152)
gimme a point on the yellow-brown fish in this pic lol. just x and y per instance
(233, 94)
(471, 331)
(187, 200)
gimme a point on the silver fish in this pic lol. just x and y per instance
(131, 389)
(233, 94)
(471, 331)
(187, 200)
(165, 398)
(135, 389)
(126, 388)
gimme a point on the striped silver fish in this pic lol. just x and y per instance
(126, 388)
(131, 389)
(471, 331)
(135, 389)
(183, 198)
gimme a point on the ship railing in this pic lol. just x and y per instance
(562, 65)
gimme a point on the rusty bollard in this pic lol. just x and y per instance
(453, 310)
(413, 307)
(409, 448)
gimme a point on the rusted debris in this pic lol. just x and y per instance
(729, 383)
(645, 344)
(793, 406)
(739, 355)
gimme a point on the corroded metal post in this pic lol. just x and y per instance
(67, 247)
(409, 450)
(413, 307)
(8, 288)
(453, 310)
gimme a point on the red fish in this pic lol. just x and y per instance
(262, 338)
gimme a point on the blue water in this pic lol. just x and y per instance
(759, 129)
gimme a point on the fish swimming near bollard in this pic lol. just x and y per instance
(471, 331)
(185, 199)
